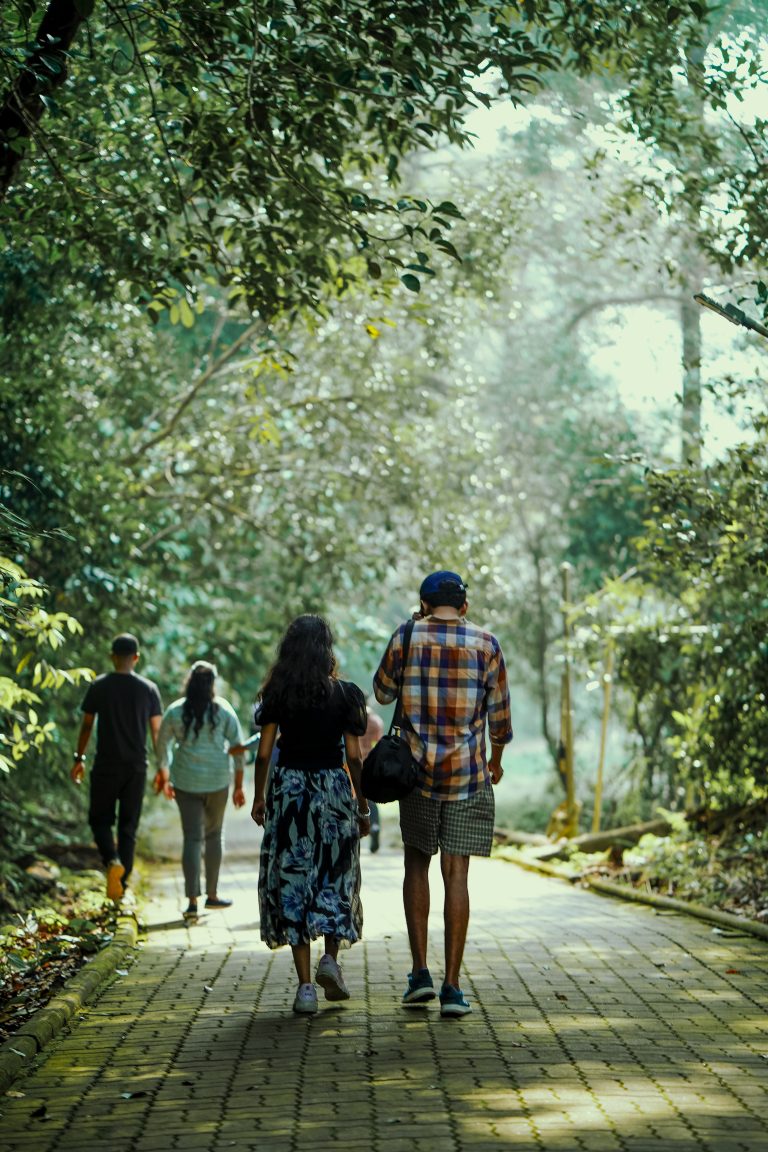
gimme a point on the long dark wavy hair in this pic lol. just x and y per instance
(305, 669)
(199, 704)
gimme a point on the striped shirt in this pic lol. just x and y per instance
(199, 763)
(455, 680)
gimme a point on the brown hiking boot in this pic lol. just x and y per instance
(115, 873)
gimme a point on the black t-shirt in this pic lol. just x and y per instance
(311, 738)
(124, 703)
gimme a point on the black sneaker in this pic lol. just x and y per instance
(420, 989)
(452, 1002)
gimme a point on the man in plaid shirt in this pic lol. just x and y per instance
(455, 681)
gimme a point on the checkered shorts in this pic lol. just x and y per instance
(459, 827)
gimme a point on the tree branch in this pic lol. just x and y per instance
(197, 387)
(617, 302)
(43, 72)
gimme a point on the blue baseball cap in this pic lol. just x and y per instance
(440, 582)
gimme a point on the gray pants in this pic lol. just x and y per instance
(202, 819)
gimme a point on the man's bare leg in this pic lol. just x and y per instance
(455, 871)
(416, 904)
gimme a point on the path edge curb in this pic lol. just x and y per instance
(610, 888)
(17, 1053)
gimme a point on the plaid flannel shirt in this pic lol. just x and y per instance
(455, 679)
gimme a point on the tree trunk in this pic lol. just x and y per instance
(44, 71)
(540, 658)
(690, 321)
(542, 655)
(692, 266)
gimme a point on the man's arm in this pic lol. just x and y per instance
(154, 729)
(160, 731)
(77, 770)
(494, 764)
(386, 680)
(499, 712)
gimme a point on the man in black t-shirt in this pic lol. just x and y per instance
(127, 706)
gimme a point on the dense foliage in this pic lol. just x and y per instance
(709, 558)
(29, 635)
(236, 141)
(370, 352)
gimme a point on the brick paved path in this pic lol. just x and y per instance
(597, 1025)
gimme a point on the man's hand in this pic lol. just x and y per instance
(258, 812)
(77, 771)
(496, 772)
(238, 796)
(162, 783)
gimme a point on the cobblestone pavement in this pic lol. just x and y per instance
(597, 1025)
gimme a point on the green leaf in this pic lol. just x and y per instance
(448, 208)
(186, 314)
(448, 248)
(412, 283)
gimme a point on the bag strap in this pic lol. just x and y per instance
(397, 718)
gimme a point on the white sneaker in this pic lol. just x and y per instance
(306, 1000)
(329, 977)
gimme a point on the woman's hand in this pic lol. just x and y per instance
(162, 783)
(258, 811)
(364, 822)
(238, 796)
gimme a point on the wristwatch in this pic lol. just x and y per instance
(78, 757)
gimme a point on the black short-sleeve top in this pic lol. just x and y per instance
(311, 737)
(124, 703)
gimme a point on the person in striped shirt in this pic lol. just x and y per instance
(453, 687)
(200, 742)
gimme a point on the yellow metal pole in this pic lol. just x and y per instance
(607, 682)
(571, 813)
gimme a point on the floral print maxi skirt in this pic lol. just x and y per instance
(309, 875)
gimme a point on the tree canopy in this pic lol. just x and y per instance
(368, 351)
(162, 145)
(176, 142)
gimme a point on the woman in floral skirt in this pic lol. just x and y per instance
(309, 877)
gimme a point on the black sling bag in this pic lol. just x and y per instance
(389, 770)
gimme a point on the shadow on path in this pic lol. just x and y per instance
(597, 1025)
